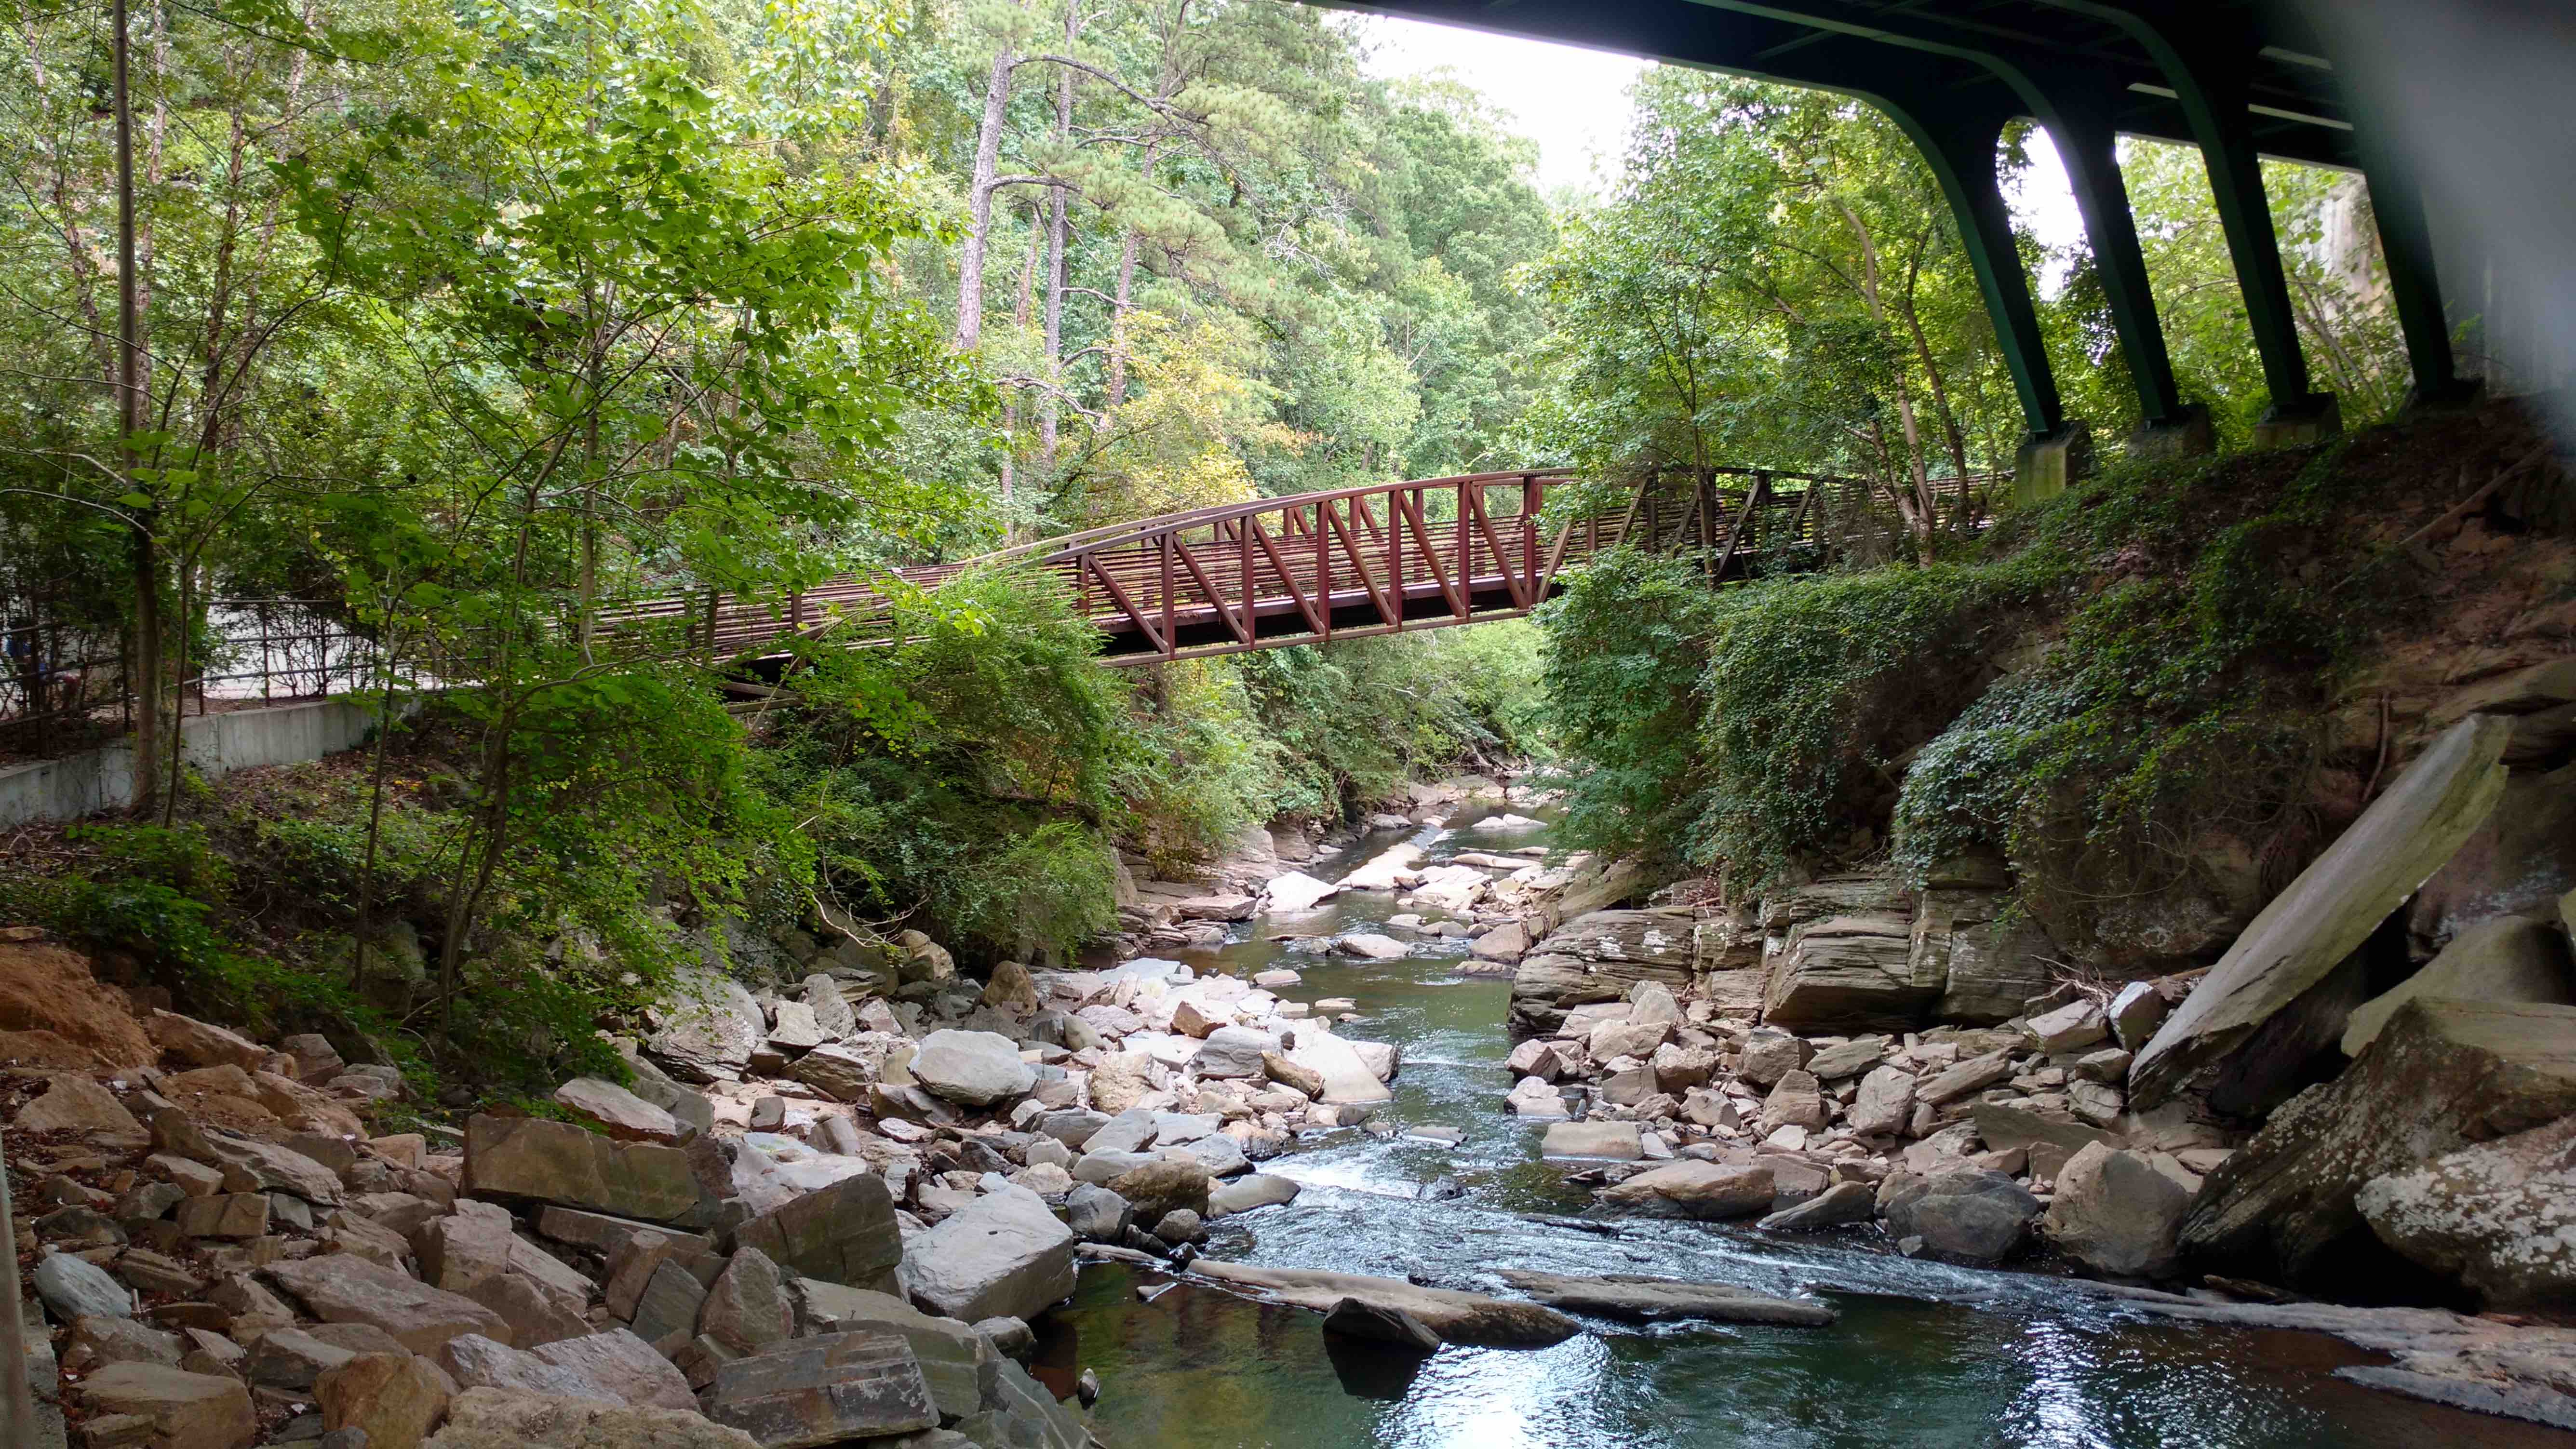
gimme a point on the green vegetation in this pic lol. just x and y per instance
(471, 324)
(2106, 689)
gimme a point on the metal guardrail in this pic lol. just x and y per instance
(1258, 574)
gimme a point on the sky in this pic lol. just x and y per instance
(1574, 104)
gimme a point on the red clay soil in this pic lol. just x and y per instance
(47, 987)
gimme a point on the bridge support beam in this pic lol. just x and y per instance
(1960, 147)
(2079, 121)
(2414, 282)
(2212, 76)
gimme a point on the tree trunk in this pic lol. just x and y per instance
(979, 197)
(145, 557)
(1059, 239)
(1125, 298)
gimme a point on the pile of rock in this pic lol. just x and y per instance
(808, 1217)
(1961, 1138)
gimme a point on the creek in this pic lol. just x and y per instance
(1924, 1355)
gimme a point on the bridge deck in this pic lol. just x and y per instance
(1377, 559)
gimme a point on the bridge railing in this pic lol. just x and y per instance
(1372, 559)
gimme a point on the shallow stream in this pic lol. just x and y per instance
(1924, 1354)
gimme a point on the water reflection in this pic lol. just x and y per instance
(1924, 1355)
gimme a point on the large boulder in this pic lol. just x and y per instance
(1617, 1141)
(1965, 1212)
(2115, 1213)
(499, 1419)
(1599, 957)
(956, 1361)
(1705, 1190)
(556, 1162)
(75, 1103)
(1457, 1317)
(1346, 1076)
(1294, 892)
(617, 1111)
(345, 1288)
(1002, 1255)
(2500, 1216)
(2442, 1075)
(2334, 905)
(2517, 863)
(844, 1233)
(624, 1366)
(1885, 1103)
(977, 1068)
(1851, 970)
(824, 1390)
(2507, 959)
(708, 1026)
(184, 1410)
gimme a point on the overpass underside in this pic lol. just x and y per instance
(2239, 80)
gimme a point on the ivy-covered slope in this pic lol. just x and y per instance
(2156, 695)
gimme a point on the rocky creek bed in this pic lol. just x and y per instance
(1425, 1140)
(1922, 1352)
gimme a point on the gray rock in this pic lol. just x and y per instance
(1706, 1190)
(1617, 1141)
(556, 1162)
(1851, 970)
(2136, 1013)
(1641, 1299)
(75, 1288)
(824, 1390)
(2115, 1214)
(1098, 1215)
(345, 1288)
(1133, 1130)
(1221, 1155)
(1885, 1102)
(669, 1303)
(977, 1068)
(2496, 1216)
(2507, 959)
(710, 1025)
(476, 1362)
(1844, 1202)
(1769, 1055)
(1965, 1212)
(1233, 1052)
(1256, 1190)
(957, 1362)
(746, 1308)
(1380, 1323)
(2370, 870)
(844, 1233)
(2440, 1076)
(1001, 1254)
(822, 996)
(1599, 956)
(623, 1365)
(1847, 1060)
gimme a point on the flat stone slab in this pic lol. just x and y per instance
(2307, 930)
(556, 1162)
(1639, 1299)
(1347, 1078)
(1614, 1141)
(1003, 1255)
(823, 1390)
(1457, 1317)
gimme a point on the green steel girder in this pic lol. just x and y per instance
(1951, 73)
(2209, 62)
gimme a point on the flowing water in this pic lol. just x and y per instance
(1924, 1354)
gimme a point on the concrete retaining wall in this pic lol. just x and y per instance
(217, 745)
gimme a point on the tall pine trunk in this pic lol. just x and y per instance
(979, 201)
